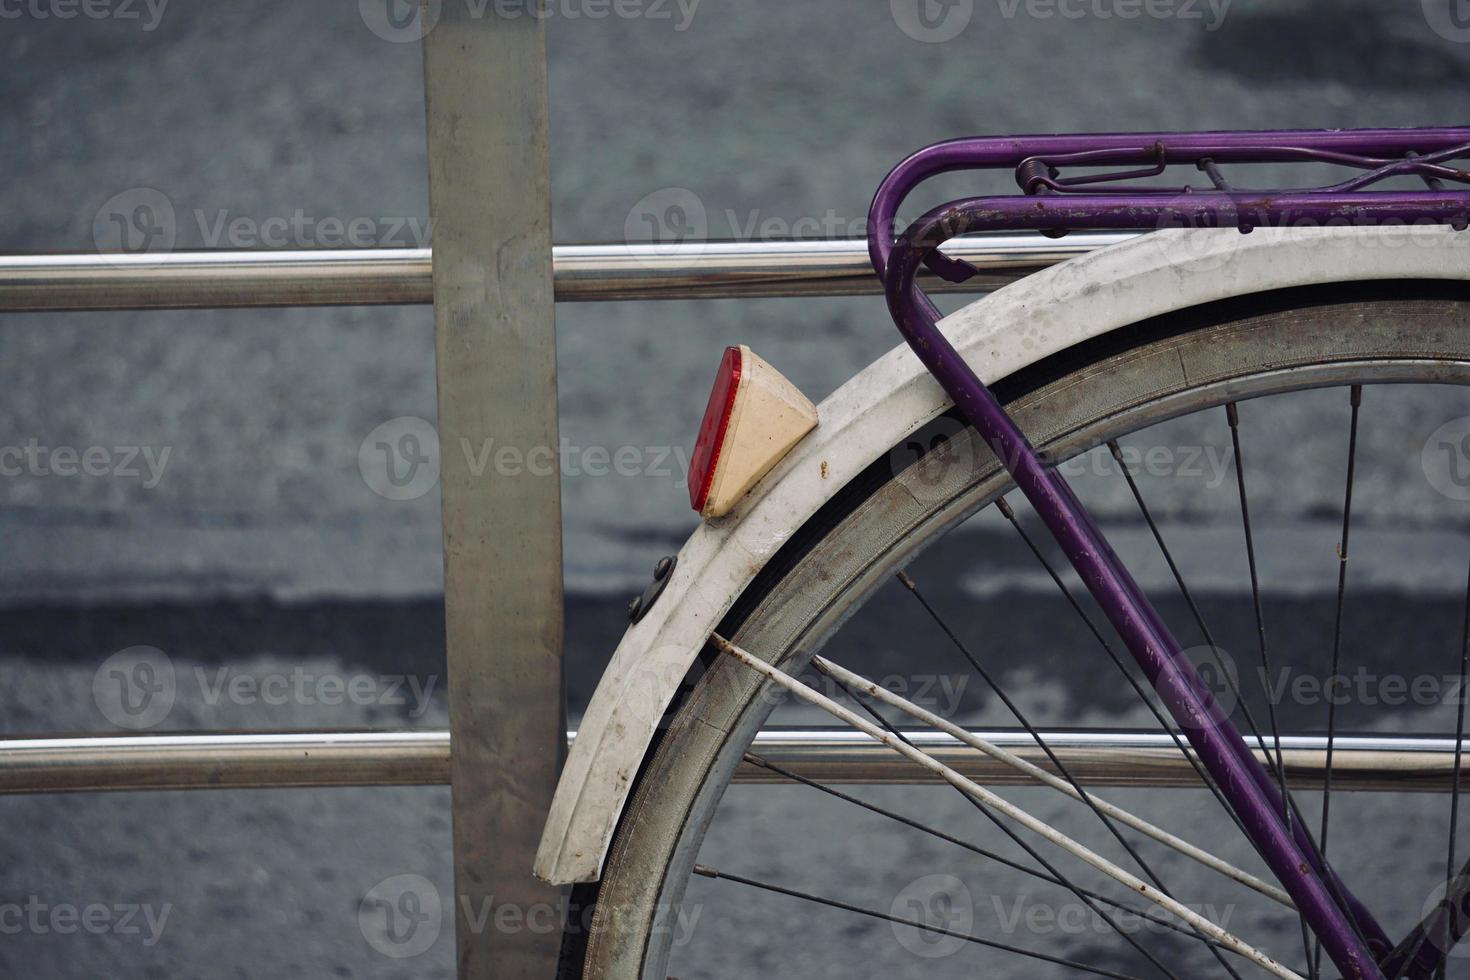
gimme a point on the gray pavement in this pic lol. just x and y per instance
(768, 113)
(254, 544)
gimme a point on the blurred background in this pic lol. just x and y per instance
(235, 522)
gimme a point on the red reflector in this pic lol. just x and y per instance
(713, 429)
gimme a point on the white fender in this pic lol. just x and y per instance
(888, 401)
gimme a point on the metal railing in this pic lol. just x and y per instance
(1393, 763)
(232, 279)
(582, 273)
(227, 279)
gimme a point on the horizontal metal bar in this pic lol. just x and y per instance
(731, 270)
(389, 277)
(1131, 759)
(241, 761)
(225, 761)
(214, 280)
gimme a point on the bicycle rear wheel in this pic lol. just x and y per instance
(1191, 361)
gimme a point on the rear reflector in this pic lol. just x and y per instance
(753, 419)
(714, 428)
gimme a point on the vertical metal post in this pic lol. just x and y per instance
(490, 196)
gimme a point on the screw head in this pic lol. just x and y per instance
(663, 568)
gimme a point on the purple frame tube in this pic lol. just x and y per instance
(1351, 936)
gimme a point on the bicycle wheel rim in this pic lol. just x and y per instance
(1237, 349)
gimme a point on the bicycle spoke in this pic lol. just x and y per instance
(1232, 415)
(1008, 809)
(1311, 948)
(1101, 807)
(1194, 609)
(1184, 750)
(1444, 911)
(1455, 793)
(1356, 400)
(1457, 899)
(1148, 702)
(1015, 708)
(712, 874)
(1015, 838)
(938, 834)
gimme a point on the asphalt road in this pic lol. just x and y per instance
(780, 119)
(245, 540)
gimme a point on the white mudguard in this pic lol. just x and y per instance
(999, 334)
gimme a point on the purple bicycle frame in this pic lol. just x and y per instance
(1352, 938)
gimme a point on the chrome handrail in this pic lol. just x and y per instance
(582, 273)
(258, 760)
